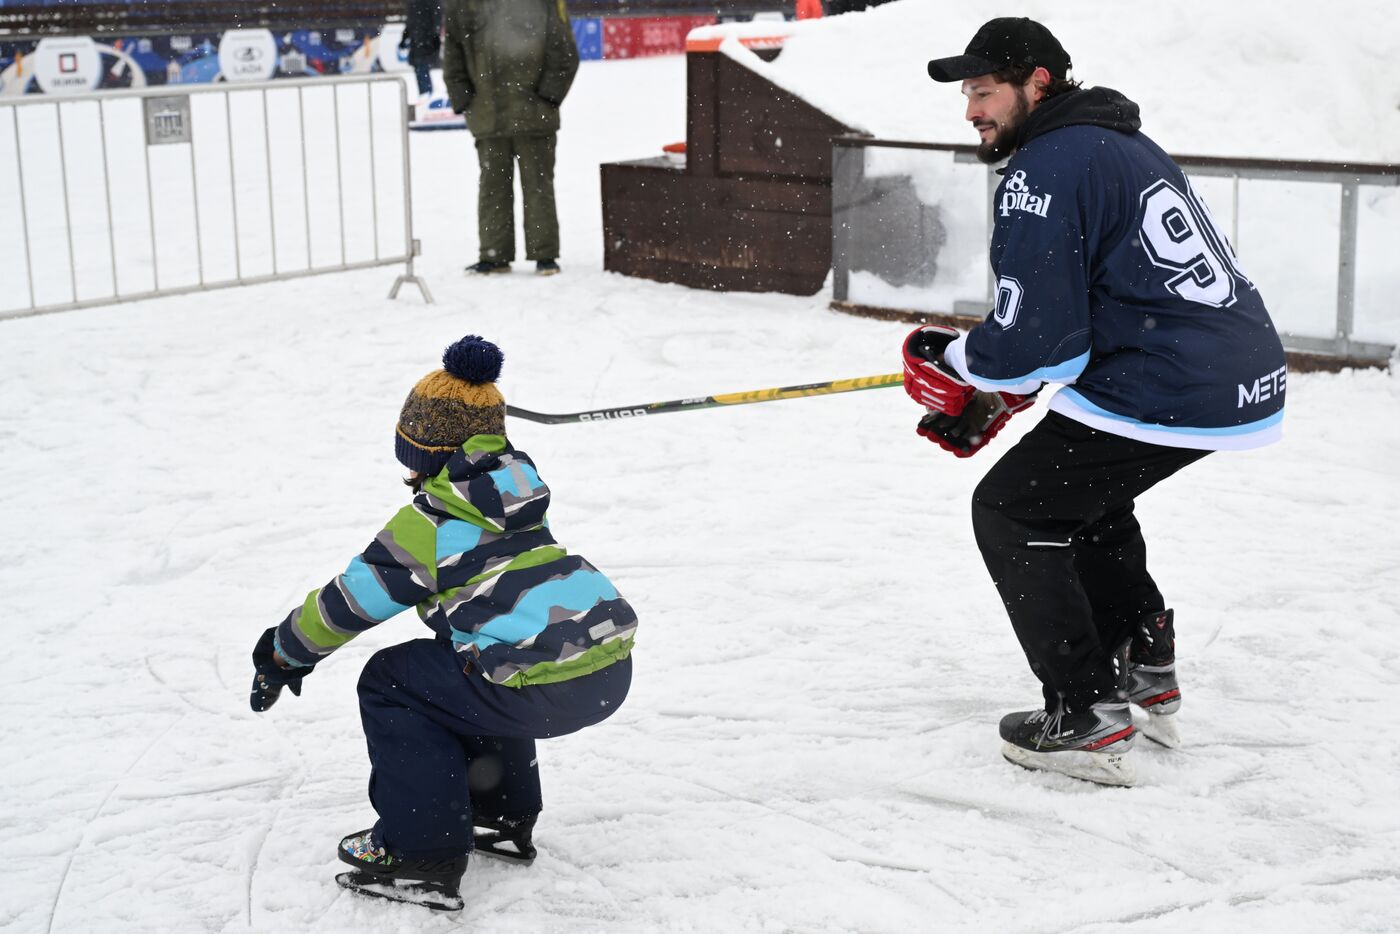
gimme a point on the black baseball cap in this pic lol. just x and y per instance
(1000, 43)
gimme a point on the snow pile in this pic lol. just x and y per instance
(1252, 78)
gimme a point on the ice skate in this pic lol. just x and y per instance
(431, 883)
(1151, 677)
(506, 838)
(1154, 689)
(1090, 745)
(435, 895)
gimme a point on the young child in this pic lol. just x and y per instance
(529, 642)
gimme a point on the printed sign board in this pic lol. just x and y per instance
(77, 64)
(247, 55)
(391, 57)
(168, 120)
(67, 65)
(637, 36)
(588, 36)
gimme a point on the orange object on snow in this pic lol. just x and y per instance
(809, 9)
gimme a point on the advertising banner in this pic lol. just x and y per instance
(76, 64)
(67, 65)
(247, 55)
(588, 36)
(635, 36)
(392, 58)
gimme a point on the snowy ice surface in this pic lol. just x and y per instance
(810, 744)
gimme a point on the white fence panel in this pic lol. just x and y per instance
(120, 195)
(910, 230)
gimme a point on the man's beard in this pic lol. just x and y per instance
(1003, 143)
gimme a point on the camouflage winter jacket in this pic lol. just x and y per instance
(474, 554)
(508, 64)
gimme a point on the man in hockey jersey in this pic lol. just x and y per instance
(1112, 281)
(530, 642)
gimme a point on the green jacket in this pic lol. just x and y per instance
(508, 64)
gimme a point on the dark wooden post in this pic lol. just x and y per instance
(701, 114)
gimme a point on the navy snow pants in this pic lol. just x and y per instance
(444, 744)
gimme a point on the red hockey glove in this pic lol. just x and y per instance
(968, 432)
(928, 380)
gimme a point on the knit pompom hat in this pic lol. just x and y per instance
(450, 405)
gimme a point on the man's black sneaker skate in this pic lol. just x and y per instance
(1089, 744)
(1151, 677)
(506, 838)
(431, 883)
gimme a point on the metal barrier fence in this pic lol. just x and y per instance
(894, 213)
(124, 195)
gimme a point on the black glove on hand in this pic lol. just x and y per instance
(969, 431)
(271, 677)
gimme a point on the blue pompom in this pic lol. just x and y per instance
(473, 359)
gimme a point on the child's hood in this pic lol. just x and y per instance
(490, 484)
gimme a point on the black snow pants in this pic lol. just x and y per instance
(1054, 521)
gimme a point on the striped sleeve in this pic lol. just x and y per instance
(398, 570)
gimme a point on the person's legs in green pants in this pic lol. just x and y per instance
(495, 206)
(536, 155)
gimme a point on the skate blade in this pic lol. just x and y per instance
(1101, 768)
(498, 846)
(411, 893)
(1161, 729)
(505, 856)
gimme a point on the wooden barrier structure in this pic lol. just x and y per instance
(750, 209)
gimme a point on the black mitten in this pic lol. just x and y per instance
(271, 677)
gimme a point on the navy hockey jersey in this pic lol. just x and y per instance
(1113, 280)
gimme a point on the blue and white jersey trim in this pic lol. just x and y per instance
(1072, 404)
(955, 354)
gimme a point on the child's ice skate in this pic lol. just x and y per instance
(431, 883)
(505, 838)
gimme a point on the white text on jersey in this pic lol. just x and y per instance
(1265, 387)
(1016, 196)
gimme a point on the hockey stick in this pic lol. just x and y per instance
(710, 402)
